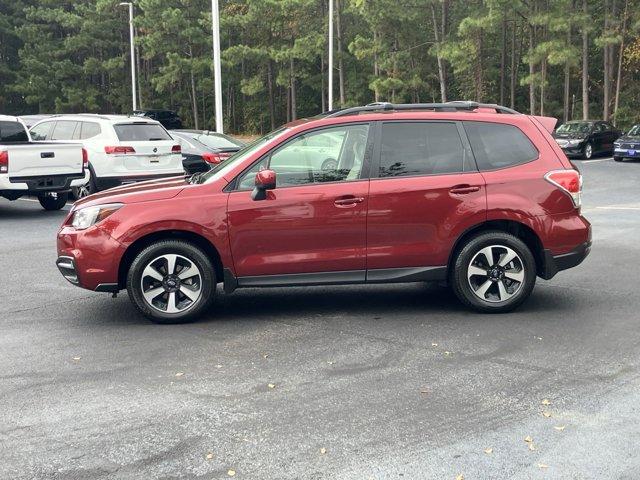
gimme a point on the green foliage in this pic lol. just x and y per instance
(73, 55)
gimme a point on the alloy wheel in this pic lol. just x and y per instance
(588, 151)
(496, 273)
(171, 283)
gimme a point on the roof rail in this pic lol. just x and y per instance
(454, 106)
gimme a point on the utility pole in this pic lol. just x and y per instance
(217, 78)
(134, 93)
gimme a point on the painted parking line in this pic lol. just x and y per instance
(618, 207)
(597, 160)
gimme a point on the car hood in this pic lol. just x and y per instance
(137, 192)
(629, 139)
(569, 136)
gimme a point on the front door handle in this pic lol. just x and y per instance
(464, 189)
(348, 201)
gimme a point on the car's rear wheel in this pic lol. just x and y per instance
(329, 164)
(84, 190)
(53, 200)
(171, 281)
(493, 272)
(587, 151)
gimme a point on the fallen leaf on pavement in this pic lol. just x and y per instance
(266, 355)
(460, 477)
(546, 414)
(179, 374)
(488, 451)
(77, 358)
(271, 385)
(434, 344)
(542, 465)
(218, 366)
(532, 447)
(323, 450)
(424, 390)
(209, 456)
(545, 402)
(447, 353)
(231, 473)
(560, 427)
(528, 439)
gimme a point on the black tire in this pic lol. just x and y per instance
(617, 159)
(587, 151)
(85, 190)
(53, 200)
(461, 283)
(207, 281)
(329, 164)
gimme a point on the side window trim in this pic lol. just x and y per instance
(468, 164)
(364, 173)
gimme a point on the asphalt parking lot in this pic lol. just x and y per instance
(340, 383)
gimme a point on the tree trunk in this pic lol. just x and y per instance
(513, 73)
(532, 72)
(606, 84)
(293, 90)
(272, 113)
(480, 67)
(503, 56)
(194, 98)
(620, 58)
(376, 68)
(585, 62)
(567, 76)
(441, 74)
(340, 59)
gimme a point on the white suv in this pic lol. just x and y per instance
(121, 149)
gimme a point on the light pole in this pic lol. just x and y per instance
(217, 79)
(134, 93)
(330, 55)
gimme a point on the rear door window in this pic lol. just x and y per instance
(90, 130)
(497, 145)
(11, 132)
(420, 148)
(64, 130)
(140, 132)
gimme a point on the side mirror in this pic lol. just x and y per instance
(265, 180)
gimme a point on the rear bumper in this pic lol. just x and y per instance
(556, 263)
(104, 183)
(43, 183)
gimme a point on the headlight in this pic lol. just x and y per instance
(617, 144)
(573, 143)
(85, 217)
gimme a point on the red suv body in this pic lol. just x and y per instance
(470, 194)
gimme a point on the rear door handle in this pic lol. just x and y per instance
(464, 189)
(348, 201)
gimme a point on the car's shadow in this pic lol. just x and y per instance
(27, 210)
(377, 302)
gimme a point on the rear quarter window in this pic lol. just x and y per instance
(11, 132)
(140, 132)
(497, 145)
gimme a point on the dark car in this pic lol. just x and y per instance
(585, 138)
(168, 118)
(628, 145)
(201, 148)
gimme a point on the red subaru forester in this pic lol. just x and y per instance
(476, 195)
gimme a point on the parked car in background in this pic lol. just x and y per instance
(31, 120)
(628, 145)
(583, 139)
(168, 118)
(45, 170)
(120, 149)
(201, 148)
(475, 195)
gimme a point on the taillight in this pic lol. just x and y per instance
(176, 149)
(4, 161)
(570, 181)
(119, 150)
(85, 158)
(213, 158)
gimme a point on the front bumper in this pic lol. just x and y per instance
(573, 151)
(556, 263)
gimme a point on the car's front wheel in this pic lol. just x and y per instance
(53, 200)
(587, 151)
(617, 159)
(171, 281)
(493, 272)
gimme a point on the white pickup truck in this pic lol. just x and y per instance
(45, 170)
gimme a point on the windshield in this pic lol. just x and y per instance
(634, 131)
(577, 127)
(215, 140)
(243, 153)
